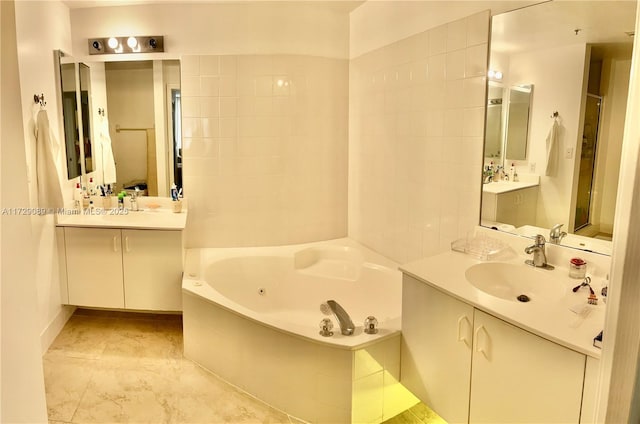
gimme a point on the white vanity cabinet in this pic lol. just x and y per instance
(124, 268)
(469, 366)
(515, 207)
(94, 267)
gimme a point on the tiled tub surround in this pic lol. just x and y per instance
(265, 149)
(267, 342)
(416, 130)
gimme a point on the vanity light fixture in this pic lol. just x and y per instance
(494, 75)
(127, 44)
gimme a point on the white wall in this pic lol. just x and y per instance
(557, 77)
(416, 126)
(36, 45)
(231, 28)
(370, 22)
(22, 380)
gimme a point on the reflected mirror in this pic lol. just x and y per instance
(577, 55)
(74, 91)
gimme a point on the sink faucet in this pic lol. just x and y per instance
(539, 255)
(134, 199)
(346, 325)
(555, 235)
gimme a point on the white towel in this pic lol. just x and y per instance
(47, 180)
(552, 150)
(107, 162)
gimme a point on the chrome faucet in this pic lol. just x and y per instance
(346, 325)
(555, 235)
(539, 255)
(134, 199)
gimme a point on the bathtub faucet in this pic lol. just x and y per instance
(346, 325)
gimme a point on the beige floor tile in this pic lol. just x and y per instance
(205, 398)
(66, 379)
(129, 396)
(84, 336)
(119, 368)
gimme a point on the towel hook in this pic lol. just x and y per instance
(555, 114)
(39, 99)
(100, 111)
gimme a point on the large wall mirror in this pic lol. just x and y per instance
(564, 76)
(134, 108)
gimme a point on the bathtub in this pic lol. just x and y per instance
(252, 315)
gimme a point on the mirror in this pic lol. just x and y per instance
(74, 91)
(577, 55)
(517, 132)
(135, 105)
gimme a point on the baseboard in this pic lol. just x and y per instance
(52, 330)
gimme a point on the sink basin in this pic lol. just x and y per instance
(511, 282)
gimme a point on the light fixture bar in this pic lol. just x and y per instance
(126, 44)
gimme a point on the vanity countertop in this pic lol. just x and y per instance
(499, 187)
(158, 217)
(551, 320)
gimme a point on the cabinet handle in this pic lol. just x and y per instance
(463, 337)
(126, 244)
(115, 244)
(482, 343)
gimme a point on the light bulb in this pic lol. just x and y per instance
(113, 42)
(491, 73)
(132, 42)
(498, 75)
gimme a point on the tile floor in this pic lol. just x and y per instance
(116, 367)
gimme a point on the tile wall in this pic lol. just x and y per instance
(265, 149)
(416, 137)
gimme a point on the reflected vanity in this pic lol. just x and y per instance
(580, 81)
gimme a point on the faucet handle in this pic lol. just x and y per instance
(540, 240)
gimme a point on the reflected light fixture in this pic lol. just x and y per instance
(495, 75)
(126, 44)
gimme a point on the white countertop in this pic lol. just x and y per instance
(154, 214)
(551, 320)
(499, 187)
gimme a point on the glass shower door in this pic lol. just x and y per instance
(587, 161)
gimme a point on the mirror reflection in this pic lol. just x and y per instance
(567, 169)
(131, 125)
(75, 90)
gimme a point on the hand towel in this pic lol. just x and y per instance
(552, 150)
(47, 180)
(107, 161)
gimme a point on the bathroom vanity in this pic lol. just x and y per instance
(510, 202)
(475, 354)
(109, 259)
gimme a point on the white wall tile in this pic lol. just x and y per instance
(209, 106)
(209, 65)
(476, 60)
(456, 35)
(478, 28)
(209, 85)
(190, 65)
(438, 40)
(455, 64)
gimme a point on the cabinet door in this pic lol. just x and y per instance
(152, 269)
(507, 208)
(520, 377)
(527, 209)
(94, 267)
(436, 349)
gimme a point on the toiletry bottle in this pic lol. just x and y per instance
(512, 172)
(77, 197)
(92, 187)
(174, 192)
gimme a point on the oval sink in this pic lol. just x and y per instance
(511, 282)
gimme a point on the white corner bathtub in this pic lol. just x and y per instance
(251, 316)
